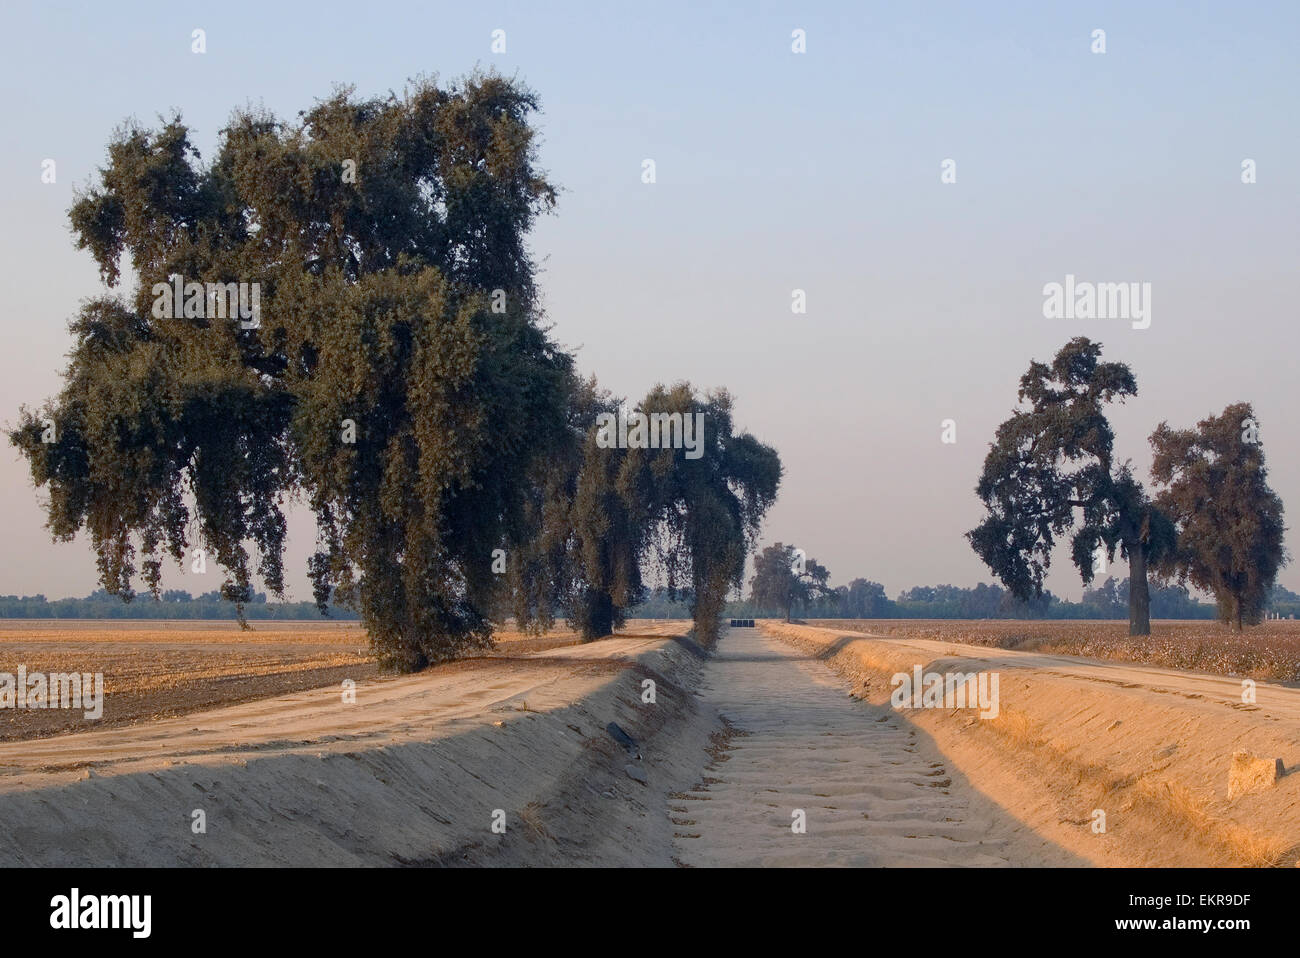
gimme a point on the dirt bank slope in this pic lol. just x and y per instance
(1149, 747)
(412, 773)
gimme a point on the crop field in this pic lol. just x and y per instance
(1269, 651)
(156, 668)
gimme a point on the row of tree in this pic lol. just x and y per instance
(171, 604)
(1213, 522)
(860, 599)
(604, 519)
(398, 379)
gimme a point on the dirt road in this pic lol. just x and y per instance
(1213, 691)
(871, 791)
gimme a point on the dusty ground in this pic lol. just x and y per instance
(1149, 747)
(780, 719)
(872, 791)
(414, 772)
(154, 669)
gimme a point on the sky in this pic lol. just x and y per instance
(774, 171)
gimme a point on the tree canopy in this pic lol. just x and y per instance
(704, 512)
(588, 535)
(784, 578)
(612, 515)
(1230, 523)
(396, 377)
(1054, 458)
(341, 311)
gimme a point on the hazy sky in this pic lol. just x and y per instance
(775, 171)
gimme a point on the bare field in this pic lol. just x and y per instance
(156, 668)
(1270, 650)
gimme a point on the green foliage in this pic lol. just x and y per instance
(1230, 523)
(705, 512)
(604, 517)
(1056, 457)
(1283, 602)
(583, 555)
(862, 599)
(374, 299)
(173, 604)
(777, 583)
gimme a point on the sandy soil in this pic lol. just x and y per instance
(412, 773)
(872, 791)
(781, 718)
(1149, 747)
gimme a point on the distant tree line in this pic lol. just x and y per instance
(172, 604)
(991, 601)
(862, 599)
(1284, 603)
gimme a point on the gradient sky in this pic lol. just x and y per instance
(775, 171)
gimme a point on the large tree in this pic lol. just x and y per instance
(541, 571)
(1050, 469)
(588, 536)
(398, 378)
(703, 507)
(608, 512)
(1230, 529)
(864, 599)
(783, 579)
(612, 530)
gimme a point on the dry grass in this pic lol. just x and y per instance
(1239, 845)
(1267, 651)
(1168, 806)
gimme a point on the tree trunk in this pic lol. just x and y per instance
(1139, 594)
(600, 616)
